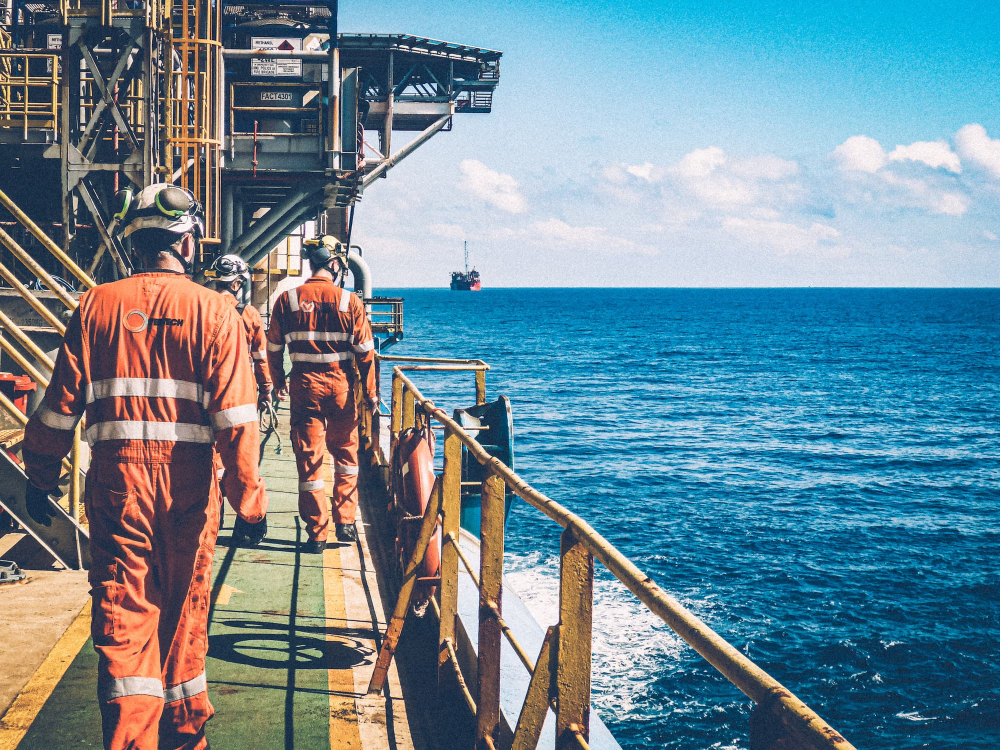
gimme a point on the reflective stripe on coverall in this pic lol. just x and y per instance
(161, 367)
(326, 329)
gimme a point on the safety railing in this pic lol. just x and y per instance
(300, 105)
(385, 314)
(29, 90)
(561, 673)
(27, 354)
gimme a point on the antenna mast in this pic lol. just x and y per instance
(466, 244)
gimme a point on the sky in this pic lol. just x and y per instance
(705, 144)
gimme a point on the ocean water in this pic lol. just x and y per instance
(814, 472)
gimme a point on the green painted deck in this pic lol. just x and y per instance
(292, 644)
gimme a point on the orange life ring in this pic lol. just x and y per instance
(416, 483)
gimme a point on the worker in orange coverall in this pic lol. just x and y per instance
(161, 367)
(232, 278)
(326, 330)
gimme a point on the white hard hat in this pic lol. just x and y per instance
(162, 206)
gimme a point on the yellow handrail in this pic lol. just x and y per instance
(795, 716)
(46, 241)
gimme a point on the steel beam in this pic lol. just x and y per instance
(272, 217)
(409, 148)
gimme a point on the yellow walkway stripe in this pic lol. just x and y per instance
(22, 712)
(344, 734)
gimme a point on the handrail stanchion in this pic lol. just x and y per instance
(408, 409)
(74, 476)
(396, 421)
(480, 386)
(576, 610)
(490, 603)
(451, 487)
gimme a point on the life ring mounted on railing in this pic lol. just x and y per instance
(413, 482)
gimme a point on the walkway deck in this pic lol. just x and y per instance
(292, 643)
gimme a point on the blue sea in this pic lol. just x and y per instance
(814, 472)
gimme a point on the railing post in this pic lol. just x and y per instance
(480, 386)
(408, 409)
(490, 592)
(576, 604)
(396, 422)
(451, 487)
(74, 477)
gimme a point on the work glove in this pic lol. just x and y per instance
(246, 534)
(264, 398)
(39, 504)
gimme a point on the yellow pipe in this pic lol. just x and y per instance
(46, 241)
(20, 253)
(22, 338)
(753, 681)
(23, 363)
(36, 304)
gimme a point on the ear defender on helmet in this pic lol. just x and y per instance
(123, 203)
(174, 202)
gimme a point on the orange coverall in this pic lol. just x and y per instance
(161, 367)
(255, 337)
(326, 329)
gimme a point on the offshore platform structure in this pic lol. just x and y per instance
(275, 121)
(261, 109)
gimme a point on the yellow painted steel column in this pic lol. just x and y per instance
(451, 487)
(490, 608)
(46, 241)
(576, 605)
(480, 386)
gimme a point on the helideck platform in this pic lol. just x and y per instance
(292, 642)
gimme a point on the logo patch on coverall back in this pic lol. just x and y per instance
(137, 321)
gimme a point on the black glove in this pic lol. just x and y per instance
(246, 534)
(39, 505)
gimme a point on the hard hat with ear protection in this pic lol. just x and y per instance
(164, 206)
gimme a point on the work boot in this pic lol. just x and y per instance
(314, 547)
(347, 532)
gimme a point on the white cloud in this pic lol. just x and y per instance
(583, 238)
(700, 162)
(448, 231)
(991, 236)
(766, 167)
(934, 154)
(860, 154)
(710, 175)
(975, 145)
(782, 236)
(922, 194)
(647, 172)
(495, 188)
